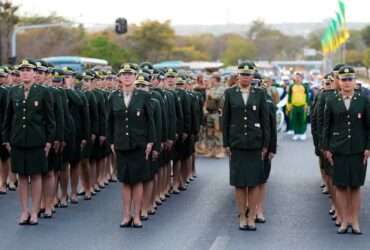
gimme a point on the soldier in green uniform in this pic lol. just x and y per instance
(246, 134)
(173, 130)
(29, 132)
(214, 103)
(329, 92)
(346, 144)
(270, 154)
(131, 134)
(4, 154)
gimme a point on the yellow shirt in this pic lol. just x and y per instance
(298, 95)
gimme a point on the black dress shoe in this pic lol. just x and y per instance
(137, 225)
(176, 192)
(251, 228)
(96, 190)
(48, 216)
(41, 212)
(260, 220)
(153, 212)
(74, 201)
(332, 212)
(182, 188)
(356, 232)
(87, 198)
(2, 192)
(342, 230)
(127, 224)
(167, 195)
(33, 223)
(243, 228)
(101, 186)
(25, 222)
(144, 218)
(334, 217)
(81, 193)
(159, 203)
(337, 224)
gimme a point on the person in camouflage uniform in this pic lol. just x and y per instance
(214, 104)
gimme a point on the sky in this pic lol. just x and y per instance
(204, 12)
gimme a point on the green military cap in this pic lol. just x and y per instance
(246, 68)
(329, 77)
(142, 79)
(147, 66)
(40, 67)
(346, 72)
(170, 72)
(337, 68)
(181, 79)
(26, 63)
(88, 75)
(3, 72)
(68, 71)
(128, 68)
(58, 75)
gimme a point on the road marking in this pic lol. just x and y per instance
(220, 243)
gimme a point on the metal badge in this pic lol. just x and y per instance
(36, 103)
(254, 107)
(359, 115)
(138, 113)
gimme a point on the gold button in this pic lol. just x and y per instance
(24, 110)
(24, 118)
(24, 101)
(126, 119)
(245, 133)
(349, 123)
(126, 133)
(245, 118)
(349, 136)
(24, 126)
(245, 126)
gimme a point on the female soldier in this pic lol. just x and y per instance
(246, 134)
(29, 131)
(346, 144)
(131, 134)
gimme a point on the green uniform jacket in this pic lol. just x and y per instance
(347, 132)
(93, 112)
(320, 109)
(157, 118)
(59, 113)
(246, 126)
(100, 102)
(170, 100)
(161, 97)
(132, 127)
(3, 102)
(68, 119)
(272, 119)
(195, 114)
(314, 130)
(29, 122)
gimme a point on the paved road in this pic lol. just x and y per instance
(204, 217)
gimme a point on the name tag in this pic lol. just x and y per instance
(257, 125)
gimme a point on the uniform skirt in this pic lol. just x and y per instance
(54, 161)
(266, 170)
(349, 170)
(246, 168)
(132, 167)
(180, 150)
(29, 161)
(4, 153)
(98, 151)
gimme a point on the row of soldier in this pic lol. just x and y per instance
(340, 121)
(139, 126)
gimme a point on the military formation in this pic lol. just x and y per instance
(340, 122)
(67, 135)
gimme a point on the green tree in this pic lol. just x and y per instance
(354, 57)
(238, 48)
(365, 33)
(366, 61)
(103, 48)
(153, 40)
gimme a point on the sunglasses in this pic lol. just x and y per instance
(347, 79)
(170, 77)
(245, 74)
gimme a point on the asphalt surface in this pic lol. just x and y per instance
(203, 217)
